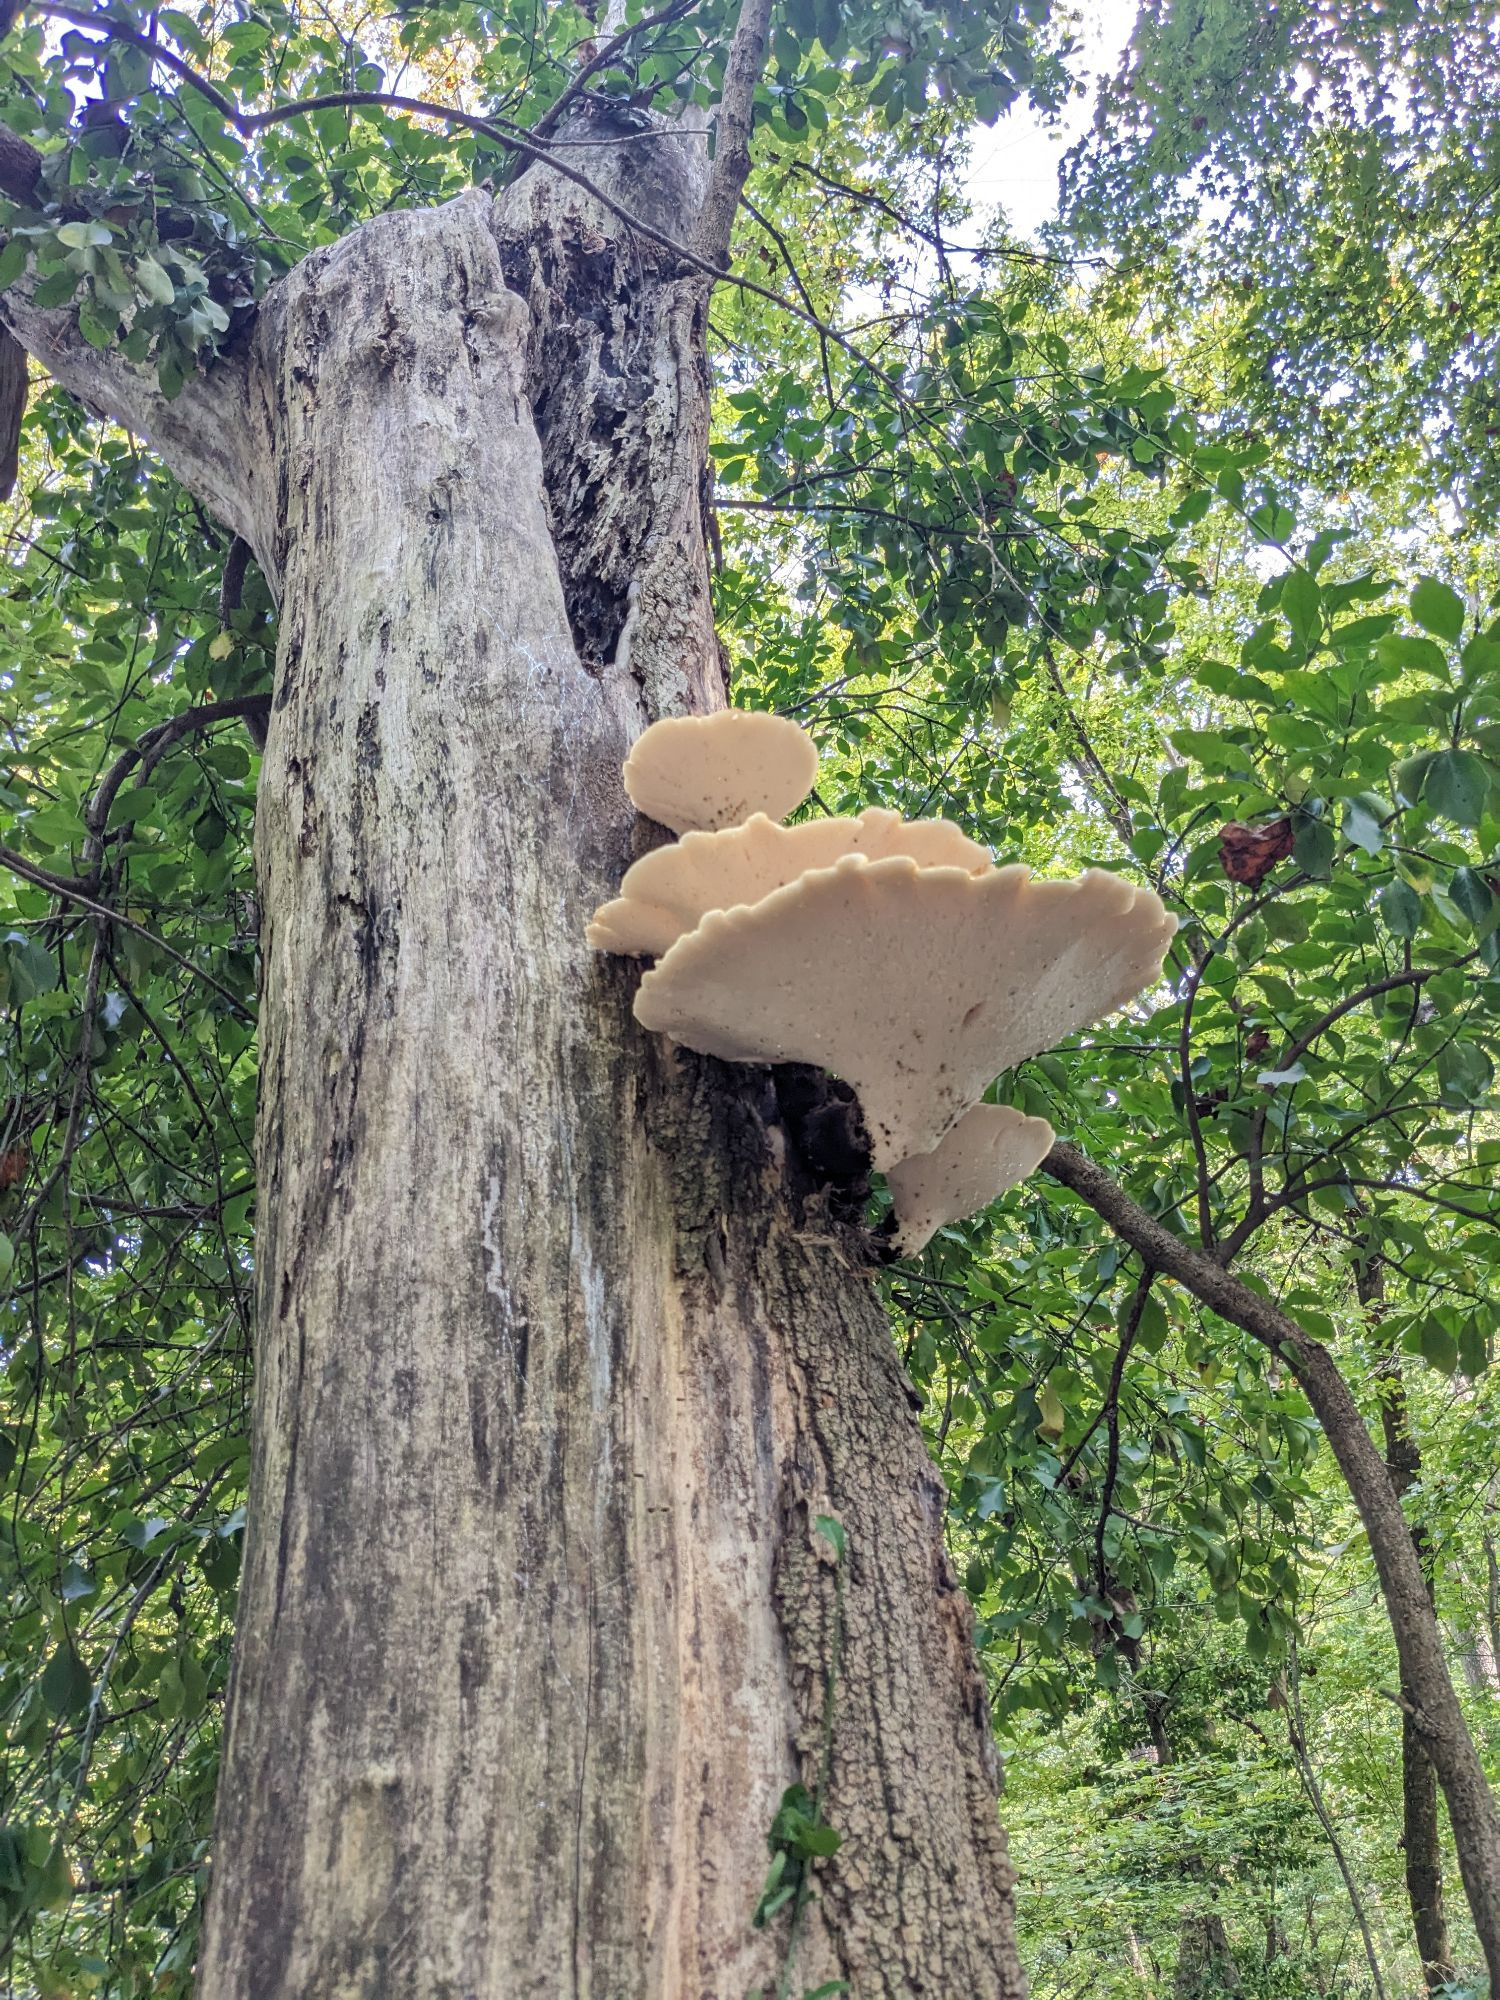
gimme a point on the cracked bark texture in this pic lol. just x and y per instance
(554, 1368)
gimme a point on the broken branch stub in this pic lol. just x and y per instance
(670, 891)
(989, 1150)
(916, 985)
(698, 773)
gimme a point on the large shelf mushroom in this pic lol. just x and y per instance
(893, 953)
(669, 891)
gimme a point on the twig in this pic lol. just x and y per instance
(73, 892)
(601, 59)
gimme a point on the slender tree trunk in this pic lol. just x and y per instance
(1421, 1840)
(1290, 1703)
(1492, 1589)
(558, 1363)
(1427, 1690)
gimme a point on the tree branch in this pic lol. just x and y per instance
(1116, 811)
(1259, 1209)
(150, 748)
(732, 127)
(204, 434)
(601, 59)
(1425, 1678)
(20, 168)
(1111, 1410)
(76, 892)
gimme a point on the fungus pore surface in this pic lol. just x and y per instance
(704, 772)
(670, 891)
(916, 985)
(989, 1150)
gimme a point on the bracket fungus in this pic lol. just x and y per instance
(989, 1150)
(697, 773)
(890, 952)
(669, 891)
(916, 985)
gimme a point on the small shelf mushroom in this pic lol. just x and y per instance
(989, 1150)
(702, 772)
(672, 889)
(916, 985)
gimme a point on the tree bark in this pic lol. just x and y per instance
(1427, 1690)
(561, 1356)
(1421, 1841)
(558, 1363)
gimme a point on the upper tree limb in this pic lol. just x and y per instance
(205, 434)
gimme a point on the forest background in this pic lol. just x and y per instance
(1160, 539)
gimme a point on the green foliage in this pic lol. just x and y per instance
(129, 1091)
(1348, 155)
(1010, 565)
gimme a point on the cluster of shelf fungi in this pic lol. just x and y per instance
(891, 952)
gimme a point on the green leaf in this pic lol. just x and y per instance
(1464, 1074)
(209, 831)
(832, 1532)
(1362, 822)
(98, 328)
(1302, 601)
(85, 235)
(13, 261)
(1153, 1327)
(152, 281)
(1456, 785)
(141, 1534)
(1472, 893)
(1313, 847)
(1438, 609)
(76, 1583)
(66, 1682)
(1437, 1346)
(33, 969)
(1403, 653)
(1192, 507)
(1271, 1079)
(1401, 907)
(55, 290)
(1273, 522)
(1473, 1348)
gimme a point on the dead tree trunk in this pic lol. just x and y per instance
(558, 1363)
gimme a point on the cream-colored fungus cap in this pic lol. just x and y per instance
(671, 890)
(916, 985)
(703, 772)
(989, 1150)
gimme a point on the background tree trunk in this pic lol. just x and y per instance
(558, 1361)
(1421, 1841)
